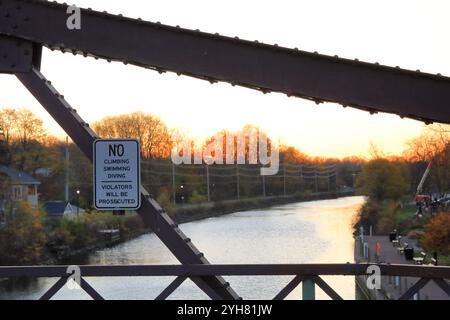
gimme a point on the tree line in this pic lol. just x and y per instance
(27, 146)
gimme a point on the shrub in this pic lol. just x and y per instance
(23, 238)
(437, 235)
(196, 197)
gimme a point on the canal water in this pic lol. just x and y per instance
(305, 232)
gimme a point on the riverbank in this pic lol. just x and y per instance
(193, 212)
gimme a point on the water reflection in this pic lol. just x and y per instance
(308, 232)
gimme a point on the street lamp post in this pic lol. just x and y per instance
(78, 202)
(182, 194)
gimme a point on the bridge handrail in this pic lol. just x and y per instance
(422, 271)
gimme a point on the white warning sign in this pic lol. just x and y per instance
(117, 174)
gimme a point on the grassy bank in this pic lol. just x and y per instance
(192, 212)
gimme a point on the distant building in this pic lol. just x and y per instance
(23, 186)
(59, 209)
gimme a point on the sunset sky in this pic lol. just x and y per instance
(411, 34)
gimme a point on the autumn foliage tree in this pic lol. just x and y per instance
(437, 234)
(151, 131)
(23, 134)
(381, 179)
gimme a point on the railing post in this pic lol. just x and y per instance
(308, 289)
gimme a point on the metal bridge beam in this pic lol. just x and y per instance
(212, 57)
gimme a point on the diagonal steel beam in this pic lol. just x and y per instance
(414, 289)
(90, 290)
(54, 288)
(326, 288)
(171, 288)
(152, 214)
(443, 284)
(212, 57)
(289, 288)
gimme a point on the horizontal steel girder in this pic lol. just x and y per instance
(344, 269)
(212, 57)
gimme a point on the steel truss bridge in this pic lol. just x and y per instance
(26, 26)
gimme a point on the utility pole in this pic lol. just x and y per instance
(336, 178)
(316, 177)
(301, 178)
(174, 190)
(328, 179)
(66, 184)
(207, 182)
(284, 178)
(237, 182)
(264, 185)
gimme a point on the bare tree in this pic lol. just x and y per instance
(8, 123)
(433, 145)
